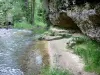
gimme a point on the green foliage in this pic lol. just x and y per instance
(24, 10)
(80, 39)
(38, 29)
(23, 25)
(89, 50)
(55, 72)
(10, 9)
(39, 14)
(2, 19)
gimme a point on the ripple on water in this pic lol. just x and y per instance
(13, 43)
(4, 70)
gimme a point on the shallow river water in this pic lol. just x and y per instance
(13, 43)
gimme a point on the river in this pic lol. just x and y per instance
(13, 44)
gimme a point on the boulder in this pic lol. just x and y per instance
(84, 14)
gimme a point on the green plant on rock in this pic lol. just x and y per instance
(80, 39)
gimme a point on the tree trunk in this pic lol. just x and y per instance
(26, 6)
(32, 10)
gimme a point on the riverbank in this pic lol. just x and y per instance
(63, 57)
(35, 58)
(53, 52)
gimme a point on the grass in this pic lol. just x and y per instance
(23, 25)
(39, 29)
(36, 29)
(40, 23)
(39, 14)
(55, 72)
(89, 50)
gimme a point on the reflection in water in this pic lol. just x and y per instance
(34, 63)
(13, 43)
(39, 60)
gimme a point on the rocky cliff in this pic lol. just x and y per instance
(84, 14)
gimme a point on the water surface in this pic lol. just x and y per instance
(13, 43)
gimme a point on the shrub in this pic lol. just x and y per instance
(89, 50)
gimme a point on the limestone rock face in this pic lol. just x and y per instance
(59, 18)
(84, 14)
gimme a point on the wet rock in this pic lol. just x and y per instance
(41, 38)
(71, 43)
